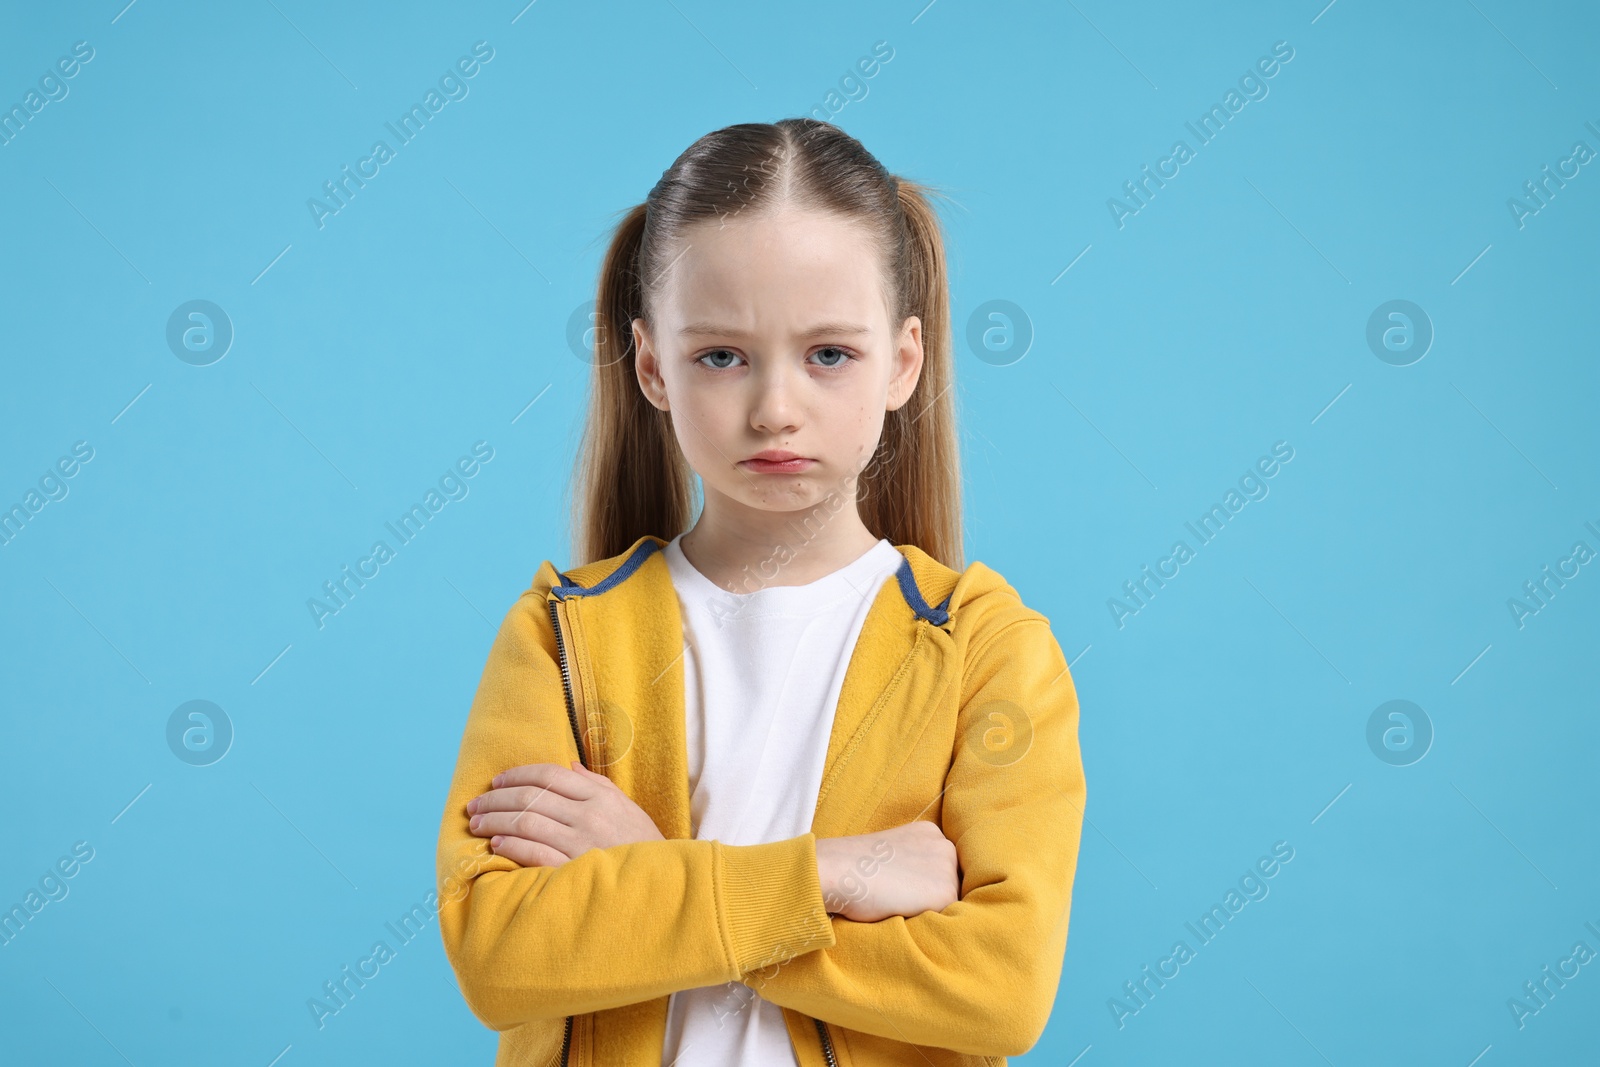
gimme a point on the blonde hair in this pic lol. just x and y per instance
(631, 478)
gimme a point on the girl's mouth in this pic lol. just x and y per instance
(768, 466)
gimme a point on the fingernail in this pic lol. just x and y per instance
(495, 781)
(474, 821)
(472, 805)
(494, 842)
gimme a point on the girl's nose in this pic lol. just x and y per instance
(774, 410)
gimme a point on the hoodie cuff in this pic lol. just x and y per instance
(772, 900)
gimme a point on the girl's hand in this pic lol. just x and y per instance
(543, 814)
(903, 871)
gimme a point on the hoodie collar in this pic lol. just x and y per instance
(593, 579)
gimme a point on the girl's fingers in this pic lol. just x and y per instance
(526, 798)
(526, 853)
(563, 781)
(548, 788)
(529, 824)
(581, 769)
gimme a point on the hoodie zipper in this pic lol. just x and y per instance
(566, 682)
(827, 1043)
(572, 717)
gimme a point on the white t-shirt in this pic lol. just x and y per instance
(762, 674)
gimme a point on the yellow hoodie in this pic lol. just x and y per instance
(957, 707)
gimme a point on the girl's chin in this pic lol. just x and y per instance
(797, 496)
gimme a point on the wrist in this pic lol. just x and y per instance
(830, 862)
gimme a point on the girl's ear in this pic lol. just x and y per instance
(907, 364)
(647, 366)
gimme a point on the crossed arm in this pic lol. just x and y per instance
(978, 974)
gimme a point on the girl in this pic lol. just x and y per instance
(792, 787)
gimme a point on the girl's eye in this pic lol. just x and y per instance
(833, 358)
(844, 357)
(713, 355)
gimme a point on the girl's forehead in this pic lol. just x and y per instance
(748, 309)
(793, 275)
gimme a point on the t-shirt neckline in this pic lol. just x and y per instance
(852, 579)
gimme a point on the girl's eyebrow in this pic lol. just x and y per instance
(822, 329)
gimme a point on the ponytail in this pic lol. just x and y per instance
(911, 490)
(632, 478)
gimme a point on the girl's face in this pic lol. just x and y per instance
(773, 333)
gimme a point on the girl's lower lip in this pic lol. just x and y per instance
(767, 466)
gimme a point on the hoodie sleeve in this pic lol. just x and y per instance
(979, 977)
(611, 926)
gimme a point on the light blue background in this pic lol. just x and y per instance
(1228, 314)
